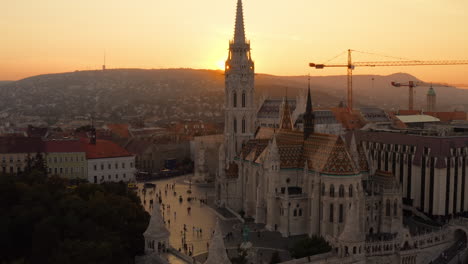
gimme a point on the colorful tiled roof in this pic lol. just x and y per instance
(104, 149)
(324, 153)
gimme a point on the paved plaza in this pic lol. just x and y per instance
(200, 221)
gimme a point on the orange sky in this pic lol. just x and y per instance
(56, 36)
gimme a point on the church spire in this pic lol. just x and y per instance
(308, 115)
(239, 31)
(286, 119)
(309, 100)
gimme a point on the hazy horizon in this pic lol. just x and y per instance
(55, 36)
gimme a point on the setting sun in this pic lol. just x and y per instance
(220, 65)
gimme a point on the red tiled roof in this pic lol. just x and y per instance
(120, 130)
(104, 149)
(64, 146)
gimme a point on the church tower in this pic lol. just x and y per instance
(431, 100)
(239, 91)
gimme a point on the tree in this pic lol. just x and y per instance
(44, 222)
(309, 246)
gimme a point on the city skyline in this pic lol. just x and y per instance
(285, 38)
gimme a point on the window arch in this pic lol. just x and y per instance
(243, 99)
(340, 213)
(351, 190)
(341, 191)
(332, 191)
(234, 99)
(235, 125)
(387, 208)
(243, 125)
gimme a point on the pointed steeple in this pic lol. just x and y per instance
(308, 115)
(354, 150)
(286, 119)
(274, 147)
(309, 99)
(217, 251)
(239, 31)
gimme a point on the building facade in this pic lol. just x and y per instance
(108, 162)
(16, 152)
(66, 158)
(430, 169)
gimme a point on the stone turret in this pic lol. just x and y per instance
(156, 233)
(217, 251)
(352, 238)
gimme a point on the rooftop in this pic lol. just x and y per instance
(417, 118)
(64, 146)
(104, 149)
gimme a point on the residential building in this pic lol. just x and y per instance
(108, 162)
(66, 158)
(16, 151)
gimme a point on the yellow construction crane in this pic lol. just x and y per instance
(351, 65)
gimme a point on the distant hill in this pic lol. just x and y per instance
(170, 93)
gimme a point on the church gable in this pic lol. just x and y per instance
(317, 149)
(339, 162)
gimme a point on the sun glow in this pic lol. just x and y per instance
(220, 65)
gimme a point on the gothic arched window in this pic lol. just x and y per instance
(243, 99)
(341, 191)
(350, 190)
(332, 191)
(243, 125)
(340, 214)
(387, 208)
(235, 125)
(234, 99)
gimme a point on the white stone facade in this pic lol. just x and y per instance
(111, 169)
